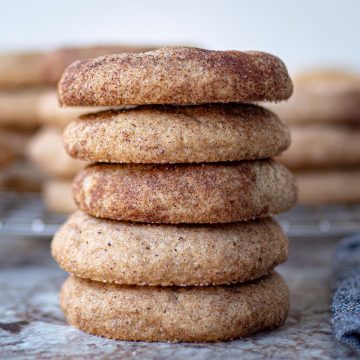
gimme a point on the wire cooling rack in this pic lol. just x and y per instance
(23, 214)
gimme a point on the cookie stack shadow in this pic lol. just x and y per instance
(174, 240)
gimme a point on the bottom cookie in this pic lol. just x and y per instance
(174, 314)
(330, 187)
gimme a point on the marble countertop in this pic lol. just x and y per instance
(32, 325)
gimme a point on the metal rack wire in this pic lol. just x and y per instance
(23, 214)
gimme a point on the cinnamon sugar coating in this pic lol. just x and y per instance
(175, 75)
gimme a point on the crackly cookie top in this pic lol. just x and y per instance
(175, 75)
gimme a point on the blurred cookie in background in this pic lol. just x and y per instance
(21, 86)
(21, 69)
(322, 97)
(58, 197)
(21, 176)
(329, 187)
(12, 144)
(322, 147)
(46, 151)
(324, 120)
(19, 108)
(50, 113)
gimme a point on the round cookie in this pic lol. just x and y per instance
(175, 75)
(46, 151)
(58, 196)
(322, 97)
(183, 193)
(143, 254)
(191, 314)
(322, 146)
(165, 134)
(55, 62)
(19, 108)
(329, 187)
(21, 69)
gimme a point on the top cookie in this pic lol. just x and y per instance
(329, 96)
(175, 75)
(58, 60)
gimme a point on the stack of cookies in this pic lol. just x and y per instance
(174, 240)
(46, 148)
(324, 117)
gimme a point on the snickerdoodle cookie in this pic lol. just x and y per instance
(185, 193)
(143, 254)
(175, 75)
(172, 134)
(193, 314)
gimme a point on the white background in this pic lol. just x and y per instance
(304, 33)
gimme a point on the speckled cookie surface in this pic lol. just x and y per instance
(164, 134)
(55, 62)
(182, 193)
(192, 314)
(143, 254)
(58, 196)
(175, 75)
(323, 146)
(329, 187)
(46, 151)
(322, 97)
